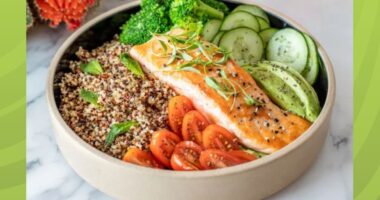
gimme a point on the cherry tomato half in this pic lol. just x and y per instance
(193, 125)
(186, 156)
(140, 157)
(217, 137)
(162, 145)
(242, 155)
(178, 107)
(214, 159)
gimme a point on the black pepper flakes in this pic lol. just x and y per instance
(266, 123)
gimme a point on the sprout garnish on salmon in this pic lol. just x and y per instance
(175, 48)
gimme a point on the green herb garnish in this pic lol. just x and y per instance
(93, 67)
(229, 82)
(250, 101)
(203, 51)
(223, 74)
(258, 154)
(192, 63)
(119, 128)
(173, 55)
(132, 65)
(89, 97)
(224, 58)
(214, 84)
(186, 56)
(178, 39)
(190, 69)
(164, 46)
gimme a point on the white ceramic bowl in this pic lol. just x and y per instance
(254, 180)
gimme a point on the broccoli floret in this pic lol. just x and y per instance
(139, 28)
(184, 12)
(151, 3)
(218, 5)
(158, 16)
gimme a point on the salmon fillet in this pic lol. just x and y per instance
(264, 127)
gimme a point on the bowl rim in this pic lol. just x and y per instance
(56, 116)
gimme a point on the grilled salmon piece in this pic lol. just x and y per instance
(263, 127)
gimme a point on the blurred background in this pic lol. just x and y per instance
(329, 21)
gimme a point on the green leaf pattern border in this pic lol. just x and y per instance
(13, 100)
(366, 99)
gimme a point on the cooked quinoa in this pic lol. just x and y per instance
(122, 95)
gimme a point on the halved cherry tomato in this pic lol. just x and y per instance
(178, 107)
(140, 157)
(193, 125)
(186, 156)
(162, 145)
(242, 155)
(214, 159)
(217, 137)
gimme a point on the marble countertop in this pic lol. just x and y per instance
(330, 21)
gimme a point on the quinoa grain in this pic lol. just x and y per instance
(122, 95)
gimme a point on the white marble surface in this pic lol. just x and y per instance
(49, 176)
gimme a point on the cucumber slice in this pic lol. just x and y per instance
(254, 10)
(240, 19)
(263, 24)
(211, 28)
(267, 34)
(312, 68)
(288, 46)
(217, 38)
(245, 45)
(304, 90)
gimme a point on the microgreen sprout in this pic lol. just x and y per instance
(179, 46)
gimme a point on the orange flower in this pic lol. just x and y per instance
(70, 12)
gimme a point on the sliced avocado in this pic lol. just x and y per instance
(278, 91)
(313, 108)
(287, 88)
